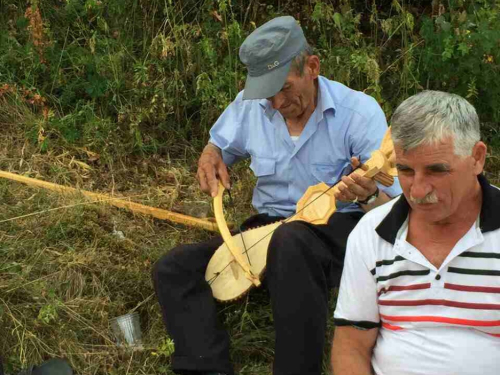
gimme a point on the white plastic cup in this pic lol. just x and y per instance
(127, 330)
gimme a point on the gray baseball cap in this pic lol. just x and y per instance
(268, 53)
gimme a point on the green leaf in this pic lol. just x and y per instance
(337, 18)
(443, 24)
(464, 48)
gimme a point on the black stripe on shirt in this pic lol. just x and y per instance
(469, 271)
(386, 262)
(472, 254)
(363, 324)
(403, 273)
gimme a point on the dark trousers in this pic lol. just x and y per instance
(304, 261)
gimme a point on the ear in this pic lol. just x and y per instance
(313, 66)
(479, 157)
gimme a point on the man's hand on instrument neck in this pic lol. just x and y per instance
(355, 188)
(211, 168)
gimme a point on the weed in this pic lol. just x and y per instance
(118, 96)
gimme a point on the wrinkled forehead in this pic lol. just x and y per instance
(445, 143)
(428, 152)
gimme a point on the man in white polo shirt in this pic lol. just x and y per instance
(420, 290)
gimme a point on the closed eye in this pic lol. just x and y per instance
(403, 168)
(438, 168)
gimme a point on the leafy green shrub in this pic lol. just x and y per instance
(159, 73)
(462, 54)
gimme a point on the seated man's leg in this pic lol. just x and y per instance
(189, 309)
(304, 261)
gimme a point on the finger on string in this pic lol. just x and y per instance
(367, 184)
(357, 185)
(223, 174)
(344, 194)
(348, 181)
(354, 190)
(213, 183)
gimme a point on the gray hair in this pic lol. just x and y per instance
(431, 116)
(299, 61)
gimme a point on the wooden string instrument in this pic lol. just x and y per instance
(239, 263)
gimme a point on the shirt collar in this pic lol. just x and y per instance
(489, 218)
(269, 111)
(325, 101)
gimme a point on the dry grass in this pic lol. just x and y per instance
(64, 272)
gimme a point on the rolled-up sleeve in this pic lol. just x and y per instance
(229, 134)
(357, 304)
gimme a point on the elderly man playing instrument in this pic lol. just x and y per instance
(298, 129)
(420, 292)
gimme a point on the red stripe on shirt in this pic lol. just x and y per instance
(391, 327)
(396, 288)
(441, 302)
(467, 288)
(442, 319)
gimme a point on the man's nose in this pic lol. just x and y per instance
(277, 100)
(420, 186)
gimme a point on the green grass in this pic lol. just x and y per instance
(64, 273)
(118, 96)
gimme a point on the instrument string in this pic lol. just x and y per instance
(217, 274)
(231, 203)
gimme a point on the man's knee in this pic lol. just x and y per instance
(168, 268)
(290, 232)
(289, 242)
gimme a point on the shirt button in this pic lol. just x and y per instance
(438, 277)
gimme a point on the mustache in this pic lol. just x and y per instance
(429, 198)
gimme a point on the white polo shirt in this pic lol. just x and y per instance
(432, 320)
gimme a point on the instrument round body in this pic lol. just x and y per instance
(228, 282)
(232, 271)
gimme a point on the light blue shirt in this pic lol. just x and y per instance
(345, 123)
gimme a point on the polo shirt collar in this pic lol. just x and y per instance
(325, 101)
(489, 218)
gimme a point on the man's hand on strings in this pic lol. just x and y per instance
(354, 187)
(211, 168)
